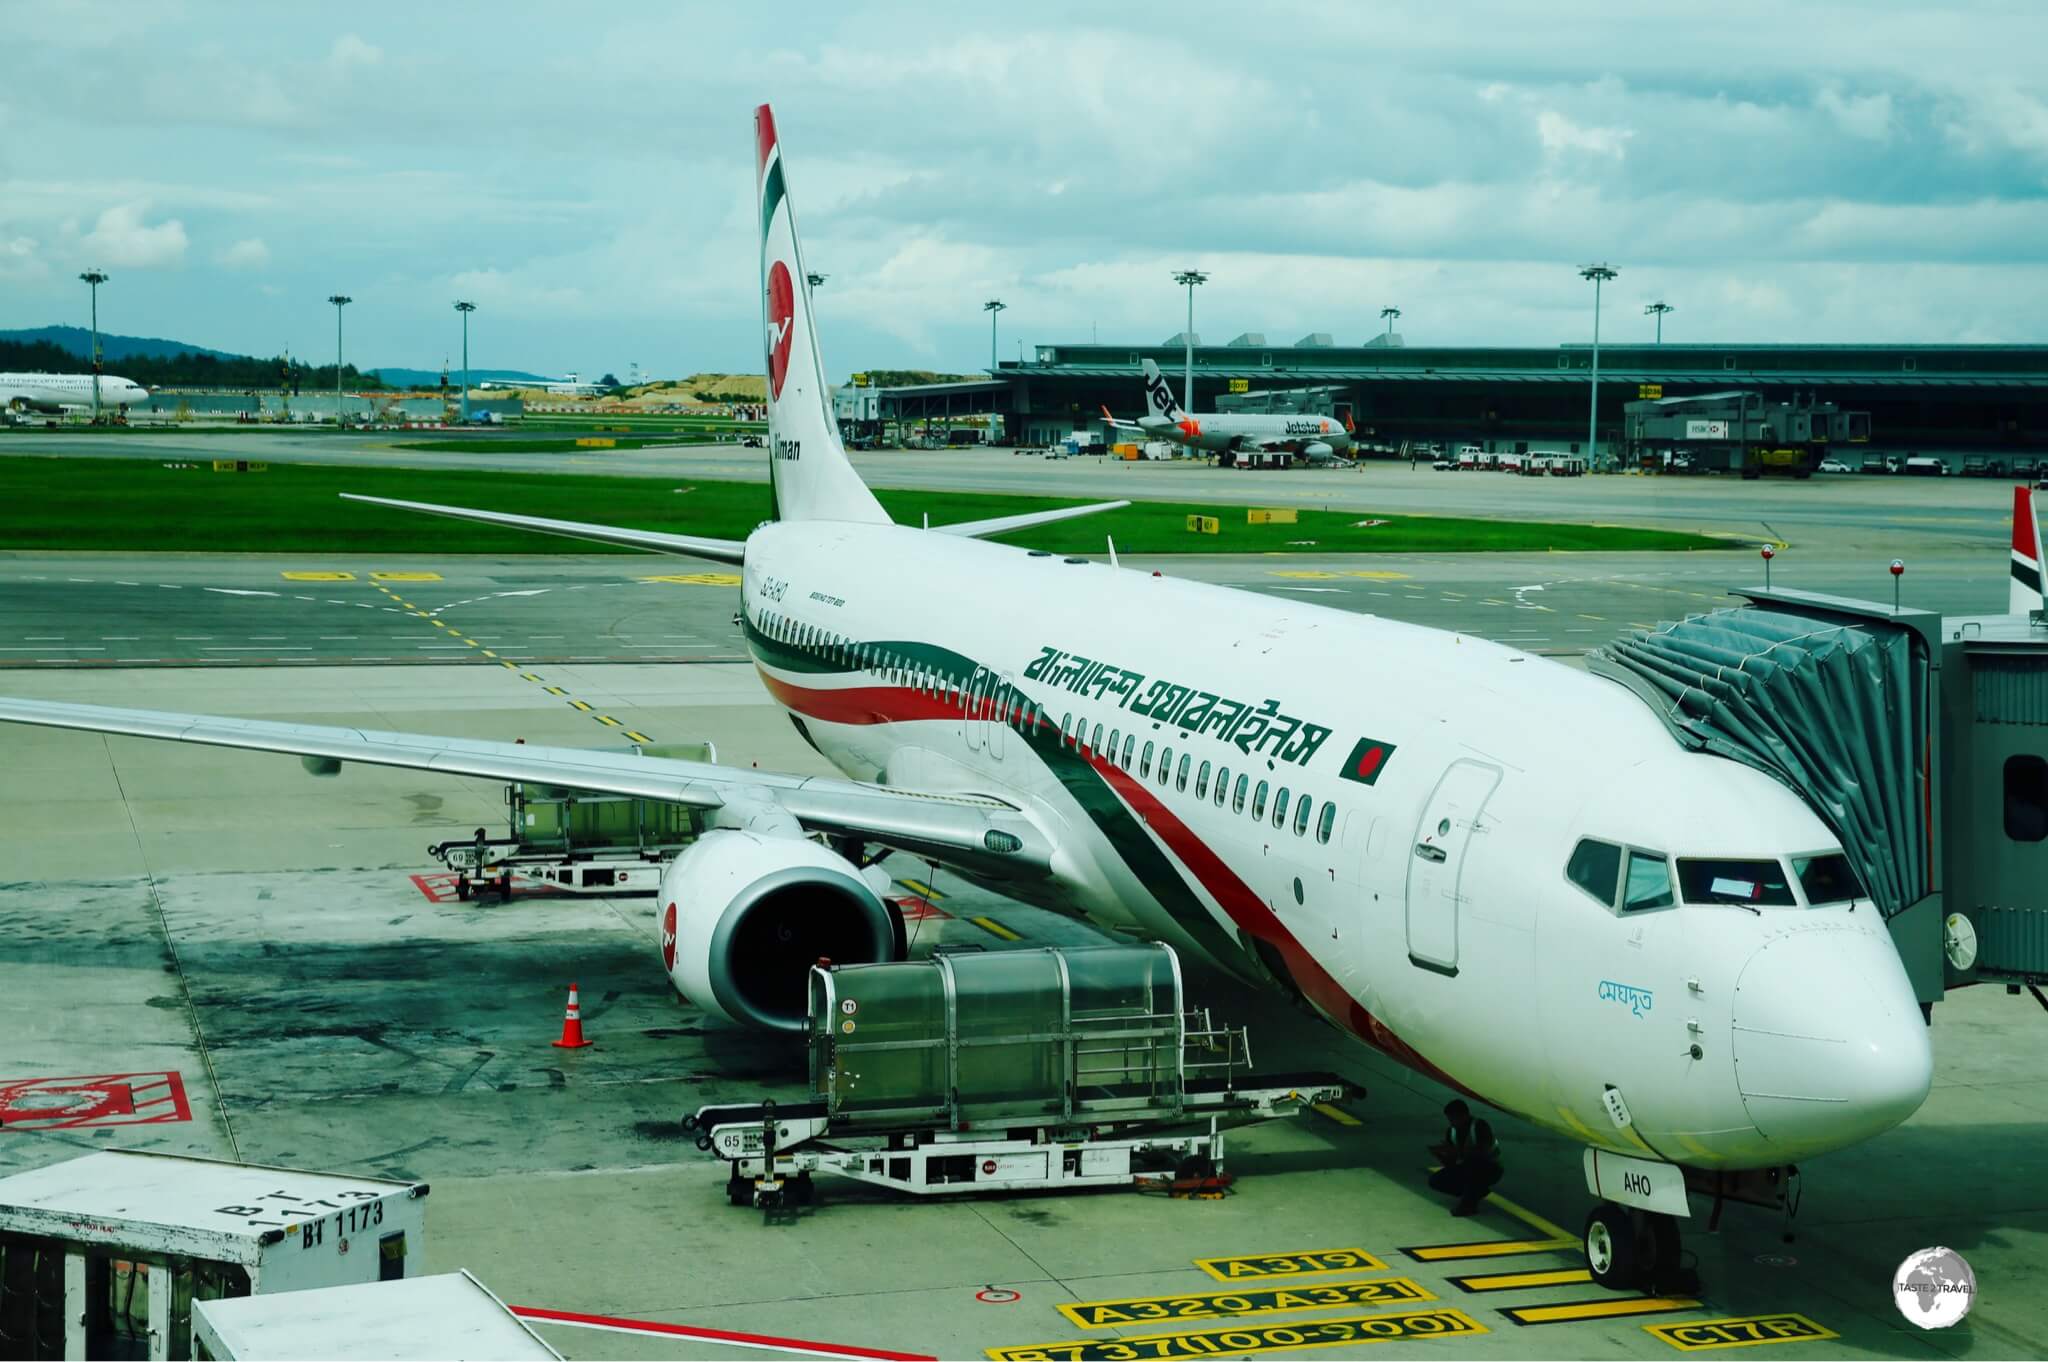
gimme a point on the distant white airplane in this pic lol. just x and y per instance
(66, 392)
(572, 386)
(1498, 870)
(1238, 435)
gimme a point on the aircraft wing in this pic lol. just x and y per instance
(1003, 524)
(654, 541)
(1120, 425)
(953, 829)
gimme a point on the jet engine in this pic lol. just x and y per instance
(744, 917)
(1318, 450)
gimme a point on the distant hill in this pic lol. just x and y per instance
(76, 340)
(428, 378)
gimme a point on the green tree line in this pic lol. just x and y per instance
(243, 373)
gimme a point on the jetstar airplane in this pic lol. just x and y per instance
(1496, 869)
(66, 392)
(1240, 437)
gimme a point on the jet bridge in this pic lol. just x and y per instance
(1921, 740)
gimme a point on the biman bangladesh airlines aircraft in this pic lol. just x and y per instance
(1496, 869)
(1238, 435)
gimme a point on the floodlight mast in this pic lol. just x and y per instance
(340, 301)
(465, 309)
(1187, 388)
(93, 279)
(1599, 274)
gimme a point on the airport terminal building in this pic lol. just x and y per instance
(1990, 398)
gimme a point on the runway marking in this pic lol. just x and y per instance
(996, 929)
(693, 579)
(1241, 1340)
(1488, 600)
(1378, 576)
(638, 737)
(583, 705)
(1605, 1308)
(1275, 1300)
(920, 888)
(1739, 1331)
(1522, 1281)
(556, 690)
(1338, 1114)
(405, 576)
(1487, 1248)
(1305, 574)
(76, 648)
(528, 676)
(1601, 618)
(722, 1337)
(1303, 1263)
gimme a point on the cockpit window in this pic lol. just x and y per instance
(1649, 882)
(1596, 868)
(1755, 883)
(1827, 879)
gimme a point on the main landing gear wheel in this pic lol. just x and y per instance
(1613, 1252)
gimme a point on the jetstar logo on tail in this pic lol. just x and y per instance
(781, 312)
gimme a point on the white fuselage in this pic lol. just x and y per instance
(1428, 912)
(1313, 435)
(56, 392)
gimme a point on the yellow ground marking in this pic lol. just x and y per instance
(319, 576)
(1739, 1331)
(1533, 1220)
(528, 676)
(1487, 1248)
(1239, 1340)
(1380, 576)
(996, 929)
(921, 889)
(607, 720)
(556, 690)
(698, 578)
(1338, 1114)
(1308, 574)
(582, 705)
(1522, 1281)
(1242, 1303)
(509, 666)
(637, 736)
(406, 576)
(440, 624)
(487, 651)
(1303, 1263)
(1609, 1308)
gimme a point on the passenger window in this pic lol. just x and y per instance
(1326, 822)
(1165, 764)
(1259, 802)
(1066, 729)
(1237, 796)
(1116, 737)
(1202, 782)
(1280, 807)
(1301, 815)
(1181, 781)
(1096, 745)
(1222, 784)
(1596, 868)
(1649, 882)
(2026, 798)
(1145, 761)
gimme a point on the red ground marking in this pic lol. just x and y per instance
(916, 909)
(93, 1100)
(439, 887)
(647, 1326)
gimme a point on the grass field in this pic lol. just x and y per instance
(522, 444)
(140, 504)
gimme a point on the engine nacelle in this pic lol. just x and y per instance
(745, 916)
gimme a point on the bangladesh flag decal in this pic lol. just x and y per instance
(1367, 760)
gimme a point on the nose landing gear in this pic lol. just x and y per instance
(1635, 1250)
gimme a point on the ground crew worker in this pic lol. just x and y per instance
(1470, 1157)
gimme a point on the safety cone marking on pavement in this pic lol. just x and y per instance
(572, 1025)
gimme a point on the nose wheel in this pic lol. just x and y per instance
(1630, 1250)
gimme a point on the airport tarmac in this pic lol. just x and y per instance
(277, 944)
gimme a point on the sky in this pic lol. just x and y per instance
(584, 174)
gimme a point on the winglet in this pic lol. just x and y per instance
(2025, 596)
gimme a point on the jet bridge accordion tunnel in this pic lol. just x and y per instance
(1921, 741)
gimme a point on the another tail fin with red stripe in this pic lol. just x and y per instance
(2025, 597)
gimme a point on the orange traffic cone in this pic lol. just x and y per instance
(572, 1025)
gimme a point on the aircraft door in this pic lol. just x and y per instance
(1436, 862)
(1003, 715)
(973, 726)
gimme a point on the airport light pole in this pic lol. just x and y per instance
(1190, 278)
(816, 280)
(465, 309)
(1657, 310)
(1599, 274)
(992, 307)
(340, 301)
(1390, 313)
(93, 279)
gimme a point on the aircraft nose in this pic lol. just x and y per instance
(1830, 1047)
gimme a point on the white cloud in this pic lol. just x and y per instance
(349, 50)
(121, 237)
(1865, 116)
(18, 258)
(1559, 134)
(251, 254)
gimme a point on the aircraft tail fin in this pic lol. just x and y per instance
(809, 475)
(2025, 593)
(1159, 395)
